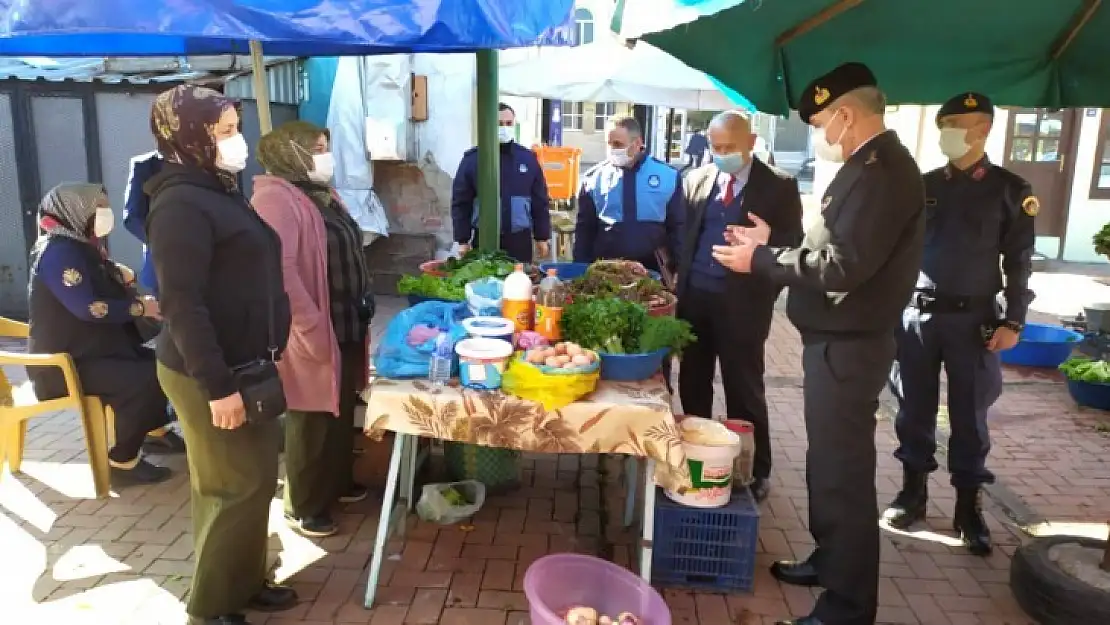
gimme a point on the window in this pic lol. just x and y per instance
(572, 115)
(1100, 180)
(1035, 135)
(585, 22)
(602, 112)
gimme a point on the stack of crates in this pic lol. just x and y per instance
(710, 549)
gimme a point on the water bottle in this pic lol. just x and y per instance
(439, 369)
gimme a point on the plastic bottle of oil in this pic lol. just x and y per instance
(516, 299)
(550, 300)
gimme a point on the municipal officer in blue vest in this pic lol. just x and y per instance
(977, 213)
(524, 198)
(630, 205)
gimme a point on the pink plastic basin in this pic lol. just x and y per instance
(556, 583)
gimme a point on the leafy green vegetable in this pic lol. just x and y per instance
(1082, 369)
(431, 286)
(617, 326)
(665, 332)
(453, 265)
(482, 269)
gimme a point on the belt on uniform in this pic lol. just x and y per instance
(933, 302)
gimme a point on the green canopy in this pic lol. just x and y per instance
(1028, 53)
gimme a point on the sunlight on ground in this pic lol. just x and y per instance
(1066, 294)
(134, 602)
(1097, 531)
(923, 535)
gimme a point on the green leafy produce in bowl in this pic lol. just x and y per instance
(617, 326)
(1083, 369)
(432, 287)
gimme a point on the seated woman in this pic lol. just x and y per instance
(80, 304)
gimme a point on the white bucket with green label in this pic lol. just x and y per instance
(710, 449)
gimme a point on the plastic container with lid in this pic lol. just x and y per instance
(745, 462)
(516, 299)
(482, 362)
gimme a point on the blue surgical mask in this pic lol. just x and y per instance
(729, 163)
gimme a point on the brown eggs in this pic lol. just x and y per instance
(566, 355)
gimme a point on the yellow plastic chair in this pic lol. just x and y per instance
(96, 419)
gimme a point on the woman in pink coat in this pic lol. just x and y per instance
(327, 282)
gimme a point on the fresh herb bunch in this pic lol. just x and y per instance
(617, 326)
(452, 265)
(434, 287)
(1082, 369)
(1101, 241)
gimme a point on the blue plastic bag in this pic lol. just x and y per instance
(484, 297)
(396, 358)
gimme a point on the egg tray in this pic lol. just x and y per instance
(546, 370)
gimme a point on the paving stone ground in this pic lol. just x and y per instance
(70, 559)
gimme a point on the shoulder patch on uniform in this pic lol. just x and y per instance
(1031, 206)
(654, 181)
(872, 158)
(825, 201)
(71, 277)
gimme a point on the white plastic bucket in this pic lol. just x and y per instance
(489, 328)
(710, 464)
(482, 362)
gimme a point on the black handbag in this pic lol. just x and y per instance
(258, 381)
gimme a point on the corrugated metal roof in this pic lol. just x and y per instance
(283, 72)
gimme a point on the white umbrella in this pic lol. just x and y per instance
(610, 72)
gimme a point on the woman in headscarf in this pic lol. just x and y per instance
(85, 305)
(218, 267)
(329, 286)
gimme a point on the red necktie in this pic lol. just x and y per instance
(729, 193)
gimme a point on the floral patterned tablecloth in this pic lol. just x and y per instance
(618, 417)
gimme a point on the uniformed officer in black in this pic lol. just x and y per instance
(976, 213)
(848, 282)
(524, 197)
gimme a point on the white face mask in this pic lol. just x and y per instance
(323, 167)
(232, 154)
(827, 151)
(953, 143)
(619, 157)
(505, 134)
(103, 222)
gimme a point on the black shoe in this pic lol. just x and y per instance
(760, 488)
(316, 527)
(910, 504)
(804, 620)
(796, 573)
(141, 474)
(969, 523)
(227, 619)
(167, 444)
(273, 598)
(354, 494)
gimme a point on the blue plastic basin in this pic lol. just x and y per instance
(1090, 394)
(570, 271)
(631, 367)
(1042, 345)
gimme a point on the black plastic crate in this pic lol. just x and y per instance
(706, 548)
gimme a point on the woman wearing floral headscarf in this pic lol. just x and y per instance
(218, 267)
(84, 305)
(328, 284)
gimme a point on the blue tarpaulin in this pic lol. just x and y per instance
(58, 28)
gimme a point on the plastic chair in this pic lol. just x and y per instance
(96, 418)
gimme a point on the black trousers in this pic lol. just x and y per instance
(843, 380)
(723, 339)
(129, 385)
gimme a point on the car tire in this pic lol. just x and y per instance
(1050, 595)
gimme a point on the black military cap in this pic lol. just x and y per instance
(969, 102)
(826, 89)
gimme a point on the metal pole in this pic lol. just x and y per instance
(261, 87)
(489, 153)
